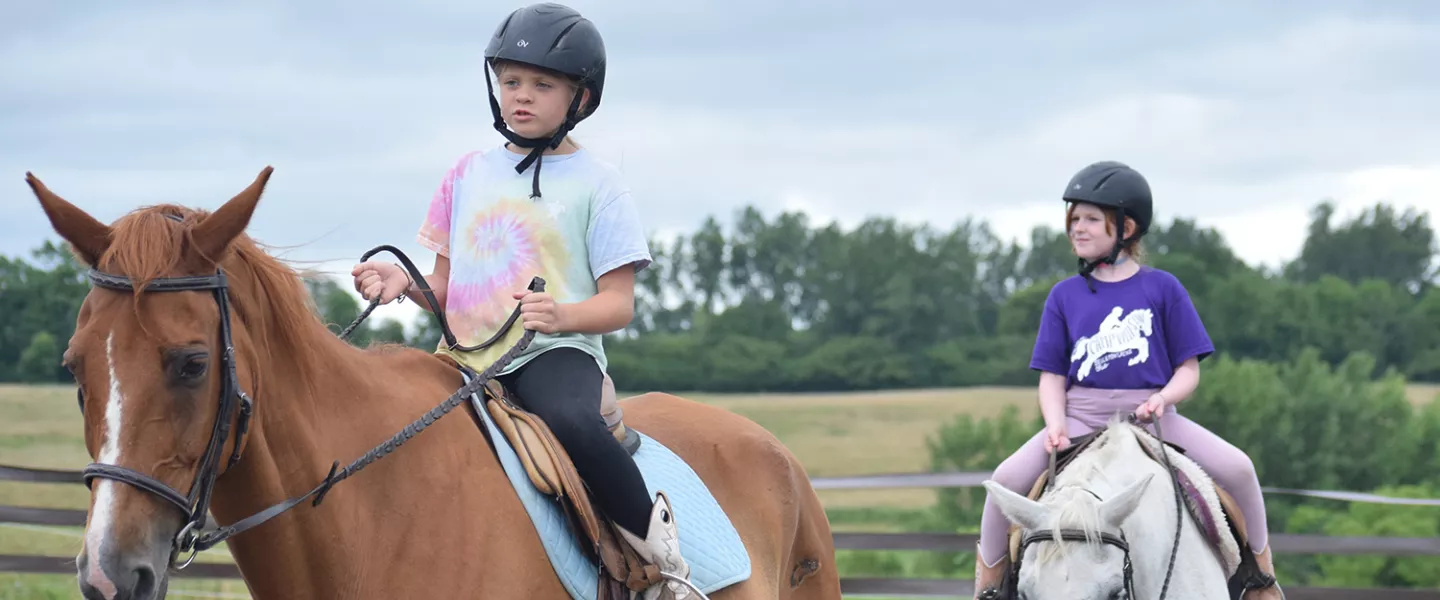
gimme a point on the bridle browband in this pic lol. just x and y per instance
(196, 505)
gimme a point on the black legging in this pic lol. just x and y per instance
(562, 387)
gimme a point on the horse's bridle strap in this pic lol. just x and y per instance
(1074, 535)
(138, 480)
(187, 283)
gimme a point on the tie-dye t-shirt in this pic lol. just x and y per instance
(1127, 334)
(497, 238)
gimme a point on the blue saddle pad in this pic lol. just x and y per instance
(708, 539)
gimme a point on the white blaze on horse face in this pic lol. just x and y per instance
(103, 515)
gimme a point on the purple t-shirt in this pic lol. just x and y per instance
(1128, 334)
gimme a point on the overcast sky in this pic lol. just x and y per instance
(1243, 115)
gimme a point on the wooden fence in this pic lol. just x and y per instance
(851, 587)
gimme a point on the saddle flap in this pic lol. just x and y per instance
(550, 469)
(1232, 512)
(529, 444)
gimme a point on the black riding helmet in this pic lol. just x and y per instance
(553, 37)
(1112, 184)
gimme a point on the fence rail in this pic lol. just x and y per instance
(853, 587)
(858, 482)
(856, 587)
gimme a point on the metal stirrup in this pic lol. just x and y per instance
(685, 582)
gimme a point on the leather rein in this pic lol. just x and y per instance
(195, 505)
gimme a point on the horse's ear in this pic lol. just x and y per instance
(213, 235)
(86, 235)
(1022, 511)
(1115, 510)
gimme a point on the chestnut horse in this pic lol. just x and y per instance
(186, 308)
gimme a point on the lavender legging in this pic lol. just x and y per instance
(1088, 409)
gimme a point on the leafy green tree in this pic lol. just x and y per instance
(40, 362)
(1381, 243)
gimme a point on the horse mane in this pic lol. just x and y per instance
(1074, 506)
(268, 296)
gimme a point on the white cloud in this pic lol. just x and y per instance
(1240, 119)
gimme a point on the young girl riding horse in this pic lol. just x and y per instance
(1117, 337)
(492, 229)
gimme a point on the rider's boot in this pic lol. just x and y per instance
(1270, 589)
(987, 579)
(662, 548)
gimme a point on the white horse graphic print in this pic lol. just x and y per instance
(1115, 339)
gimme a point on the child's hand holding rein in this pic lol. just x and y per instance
(539, 312)
(384, 280)
(1152, 408)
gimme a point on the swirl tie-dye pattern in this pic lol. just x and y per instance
(509, 243)
(497, 239)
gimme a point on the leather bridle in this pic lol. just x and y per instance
(194, 506)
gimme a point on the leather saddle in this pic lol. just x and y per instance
(551, 471)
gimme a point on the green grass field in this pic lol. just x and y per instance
(832, 434)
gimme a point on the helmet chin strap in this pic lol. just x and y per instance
(537, 145)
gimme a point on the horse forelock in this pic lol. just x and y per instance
(1072, 508)
(267, 295)
(147, 243)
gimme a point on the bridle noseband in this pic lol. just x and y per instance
(196, 505)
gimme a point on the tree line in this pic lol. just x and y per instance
(779, 304)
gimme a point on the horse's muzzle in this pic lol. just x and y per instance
(121, 577)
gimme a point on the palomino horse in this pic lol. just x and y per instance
(1119, 507)
(186, 308)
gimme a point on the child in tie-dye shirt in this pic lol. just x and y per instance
(496, 222)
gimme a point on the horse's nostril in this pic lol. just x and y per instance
(89, 591)
(144, 583)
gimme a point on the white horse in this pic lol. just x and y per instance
(1106, 529)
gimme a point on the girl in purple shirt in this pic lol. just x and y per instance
(1117, 337)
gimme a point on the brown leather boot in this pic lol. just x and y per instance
(987, 579)
(1271, 591)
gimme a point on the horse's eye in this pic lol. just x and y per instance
(190, 366)
(193, 368)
